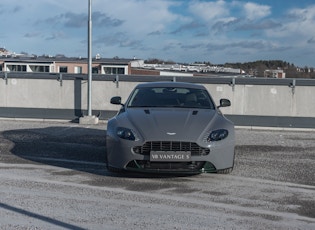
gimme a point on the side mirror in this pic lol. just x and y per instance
(224, 103)
(116, 100)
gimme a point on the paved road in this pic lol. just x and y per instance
(53, 176)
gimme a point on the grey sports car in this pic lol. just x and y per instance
(170, 127)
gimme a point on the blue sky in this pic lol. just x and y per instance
(182, 31)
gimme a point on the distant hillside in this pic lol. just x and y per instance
(257, 68)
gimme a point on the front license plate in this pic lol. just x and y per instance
(169, 156)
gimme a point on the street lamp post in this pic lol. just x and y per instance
(89, 119)
(90, 59)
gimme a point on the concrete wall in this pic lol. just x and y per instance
(260, 100)
(249, 99)
(266, 100)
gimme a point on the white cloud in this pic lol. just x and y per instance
(255, 11)
(140, 17)
(297, 27)
(209, 11)
(302, 21)
(166, 29)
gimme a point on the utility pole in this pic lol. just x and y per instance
(89, 119)
(90, 59)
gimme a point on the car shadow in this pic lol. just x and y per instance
(76, 148)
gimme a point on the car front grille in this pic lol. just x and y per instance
(174, 146)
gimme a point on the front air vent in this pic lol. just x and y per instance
(174, 146)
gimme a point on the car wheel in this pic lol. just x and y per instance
(225, 171)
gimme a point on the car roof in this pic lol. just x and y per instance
(170, 84)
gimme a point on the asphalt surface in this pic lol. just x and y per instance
(53, 176)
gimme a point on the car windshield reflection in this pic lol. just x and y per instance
(170, 97)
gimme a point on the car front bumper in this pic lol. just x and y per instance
(121, 154)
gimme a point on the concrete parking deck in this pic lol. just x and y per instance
(53, 176)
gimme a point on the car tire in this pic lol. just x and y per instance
(225, 171)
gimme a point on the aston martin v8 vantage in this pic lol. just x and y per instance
(170, 127)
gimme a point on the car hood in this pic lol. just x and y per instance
(171, 124)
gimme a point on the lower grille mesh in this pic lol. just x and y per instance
(184, 167)
(174, 146)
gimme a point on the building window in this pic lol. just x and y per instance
(17, 68)
(94, 69)
(63, 69)
(114, 70)
(39, 68)
(78, 69)
(120, 70)
(45, 69)
(108, 70)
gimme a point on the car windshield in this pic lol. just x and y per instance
(170, 97)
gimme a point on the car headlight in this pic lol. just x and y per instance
(218, 135)
(126, 134)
